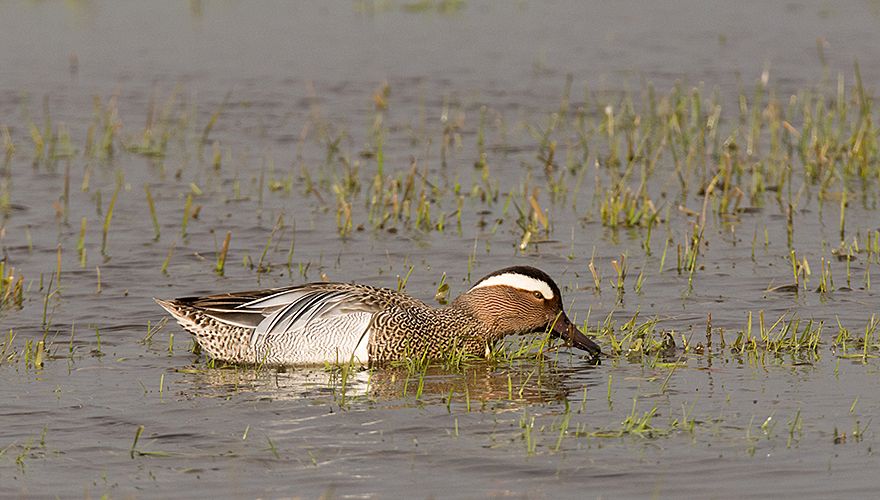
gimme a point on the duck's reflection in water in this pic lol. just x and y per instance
(534, 382)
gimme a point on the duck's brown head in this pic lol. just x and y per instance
(523, 299)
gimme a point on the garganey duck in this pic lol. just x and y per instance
(341, 322)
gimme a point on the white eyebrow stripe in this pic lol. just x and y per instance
(520, 281)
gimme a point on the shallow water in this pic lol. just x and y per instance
(287, 80)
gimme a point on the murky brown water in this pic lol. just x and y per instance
(286, 81)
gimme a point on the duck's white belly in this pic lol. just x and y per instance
(341, 338)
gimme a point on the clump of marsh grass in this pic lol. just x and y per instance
(854, 345)
(11, 286)
(786, 335)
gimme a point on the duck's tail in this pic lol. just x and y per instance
(219, 340)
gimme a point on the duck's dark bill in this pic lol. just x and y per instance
(566, 330)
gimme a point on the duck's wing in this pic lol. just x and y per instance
(227, 307)
(299, 310)
(321, 322)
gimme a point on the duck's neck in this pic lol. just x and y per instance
(489, 325)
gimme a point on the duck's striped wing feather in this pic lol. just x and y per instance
(302, 311)
(228, 307)
(314, 323)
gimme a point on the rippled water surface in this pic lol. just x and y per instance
(394, 142)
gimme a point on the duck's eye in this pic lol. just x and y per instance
(538, 295)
